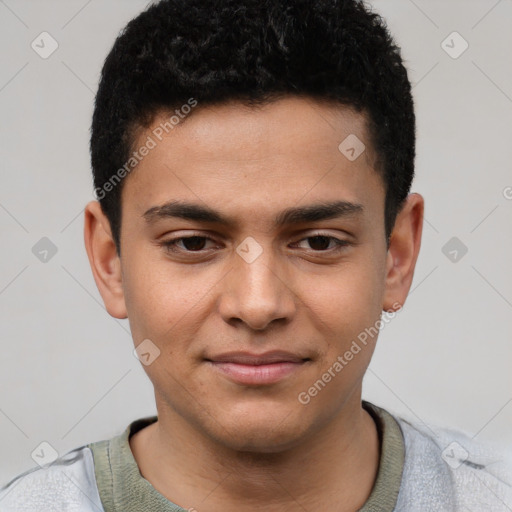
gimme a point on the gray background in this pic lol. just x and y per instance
(67, 372)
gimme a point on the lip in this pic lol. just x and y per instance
(257, 369)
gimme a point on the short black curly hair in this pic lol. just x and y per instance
(253, 51)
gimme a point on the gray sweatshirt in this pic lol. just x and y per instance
(422, 469)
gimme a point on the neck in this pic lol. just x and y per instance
(335, 469)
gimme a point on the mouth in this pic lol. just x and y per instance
(257, 369)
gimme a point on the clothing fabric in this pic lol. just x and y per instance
(421, 469)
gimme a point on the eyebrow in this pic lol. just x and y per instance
(289, 216)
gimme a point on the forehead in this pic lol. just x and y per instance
(246, 158)
(292, 123)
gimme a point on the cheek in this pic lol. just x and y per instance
(165, 304)
(346, 300)
(151, 299)
(345, 307)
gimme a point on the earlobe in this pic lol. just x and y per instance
(403, 252)
(104, 260)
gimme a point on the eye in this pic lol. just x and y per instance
(197, 244)
(321, 242)
(191, 244)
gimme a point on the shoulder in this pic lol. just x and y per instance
(449, 469)
(68, 483)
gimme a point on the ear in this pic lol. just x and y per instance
(104, 260)
(404, 247)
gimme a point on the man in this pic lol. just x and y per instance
(253, 162)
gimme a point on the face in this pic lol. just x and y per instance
(253, 254)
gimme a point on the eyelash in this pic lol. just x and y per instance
(170, 245)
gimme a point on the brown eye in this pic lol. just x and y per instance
(321, 243)
(194, 243)
(189, 244)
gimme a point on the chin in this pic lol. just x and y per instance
(262, 433)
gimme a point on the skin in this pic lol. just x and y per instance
(219, 445)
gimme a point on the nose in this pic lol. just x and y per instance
(257, 292)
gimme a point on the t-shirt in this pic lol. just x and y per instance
(421, 469)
